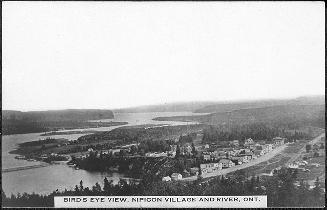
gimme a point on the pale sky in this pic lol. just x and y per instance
(59, 55)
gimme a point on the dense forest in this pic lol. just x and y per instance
(228, 106)
(58, 115)
(256, 131)
(20, 127)
(280, 190)
(134, 134)
(137, 166)
(287, 116)
(16, 122)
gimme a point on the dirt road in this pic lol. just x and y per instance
(313, 141)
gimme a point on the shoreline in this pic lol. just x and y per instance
(88, 125)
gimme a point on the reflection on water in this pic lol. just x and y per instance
(47, 179)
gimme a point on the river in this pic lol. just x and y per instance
(44, 180)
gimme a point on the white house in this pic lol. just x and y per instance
(176, 176)
(258, 153)
(240, 160)
(206, 157)
(293, 165)
(194, 171)
(226, 163)
(248, 141)
(235, 143)
(166, 179)
(278, 141)
(210, 167)
(269, 147)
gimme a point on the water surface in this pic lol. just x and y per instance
(45, 180)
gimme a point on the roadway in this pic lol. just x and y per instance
(253, 162)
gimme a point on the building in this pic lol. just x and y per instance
(258, 153)
(293, 165)
(173, 148)
(166, 179)
(315, 147)
(246, 156)
(186, 150)
(210, 167)
(235, 143)
(206, 157)
(186, 173)
(229, 152)
(220, 154)
(171, 154)
(194, 171)
(176, 176)
(278, 141)
(239, 160)
(248, 141)
(156, 154)
(270, 147)
(226, 163)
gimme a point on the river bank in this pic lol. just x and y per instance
(46, 179)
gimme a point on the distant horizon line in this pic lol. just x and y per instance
(168, 103)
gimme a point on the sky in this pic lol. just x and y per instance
(58, 55)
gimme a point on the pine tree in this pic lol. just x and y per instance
(106, 186)
(3, 195)
(317, 191)
(76, 189)
(178, 152)
(81, 185)
(194, 152)
(96, 189)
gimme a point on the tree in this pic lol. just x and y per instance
(322, 146)
(96, 188)
(178, 152)
(133, 149)
(76, 189)
(81, 185)
(194, 152)
(317, 192)
(106, 186)
(3, 195)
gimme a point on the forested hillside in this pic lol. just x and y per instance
(16, 122)
(288, 115)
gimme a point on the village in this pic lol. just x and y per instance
(213, 158)
(199, 159)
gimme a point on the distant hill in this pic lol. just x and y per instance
(219, 106)
(167, 107)
(58, 115)
(283, 114)
(229, 106)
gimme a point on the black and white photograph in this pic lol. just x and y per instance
(170, 104)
